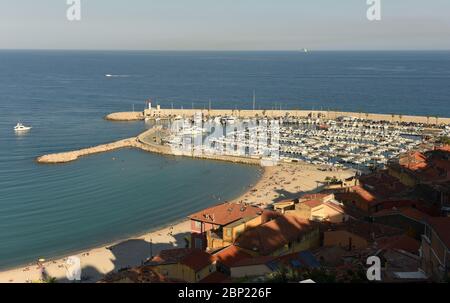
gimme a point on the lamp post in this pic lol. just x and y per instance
(151, 248)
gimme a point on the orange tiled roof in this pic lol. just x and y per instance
(195, 259)
(409, 212)
(268, 237)
(445, 148)
(368, 231)
(335, 206)
(312, 203)
(226, 213)
(230, 255)
(364, 194)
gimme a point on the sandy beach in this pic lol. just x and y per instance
(276, 183)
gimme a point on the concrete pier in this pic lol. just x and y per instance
(167, 113)
(148, 141)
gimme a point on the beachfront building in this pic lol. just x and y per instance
(285, 205)
(218, 226)
(183, 264)
(283, 235)
(320, 208)
(435, 249)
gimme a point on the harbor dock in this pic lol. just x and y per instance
(330, 115)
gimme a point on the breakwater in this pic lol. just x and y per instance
(167, 113)
(148, 141)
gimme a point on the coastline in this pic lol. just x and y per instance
(98, 261)
(101, 256)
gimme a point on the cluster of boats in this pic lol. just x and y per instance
(346, 141)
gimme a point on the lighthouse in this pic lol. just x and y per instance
(149, 104)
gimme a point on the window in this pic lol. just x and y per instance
(228, 232)
(198, 225)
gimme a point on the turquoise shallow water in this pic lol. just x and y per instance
(52, 210)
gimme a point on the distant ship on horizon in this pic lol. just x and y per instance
(305, 50)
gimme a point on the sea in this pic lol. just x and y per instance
(47, 211)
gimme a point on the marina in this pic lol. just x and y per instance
(332, 143)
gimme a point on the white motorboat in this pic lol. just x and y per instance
(21, 128)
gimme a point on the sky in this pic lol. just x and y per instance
(225, 25)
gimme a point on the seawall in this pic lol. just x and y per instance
(125, 116)
(167, 113)
(145, 142)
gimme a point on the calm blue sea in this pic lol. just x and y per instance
(48, 211)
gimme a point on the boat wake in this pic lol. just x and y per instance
(116, 76)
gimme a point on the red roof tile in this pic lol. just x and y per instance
(230, 255)
(366, 230)
(312, 203)
(195, 259)
(268, 237)
(409, 212)
(226, 213)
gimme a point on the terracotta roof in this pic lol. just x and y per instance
(433, 165)
(312, 203)
(364, 194)
(226, 213)
(366, 230)
(230, 255)
(195, 259)
(337, 207)
(268, 237)
(442, 227)
(402, 242)
(216, 277)
(445, 148)
(381, 185)
(409, 212)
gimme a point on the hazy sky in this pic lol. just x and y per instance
(225, 25)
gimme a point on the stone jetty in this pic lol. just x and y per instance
(125, 116)
(147, 141)
(168, 113)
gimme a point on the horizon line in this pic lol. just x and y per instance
(225, 50)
